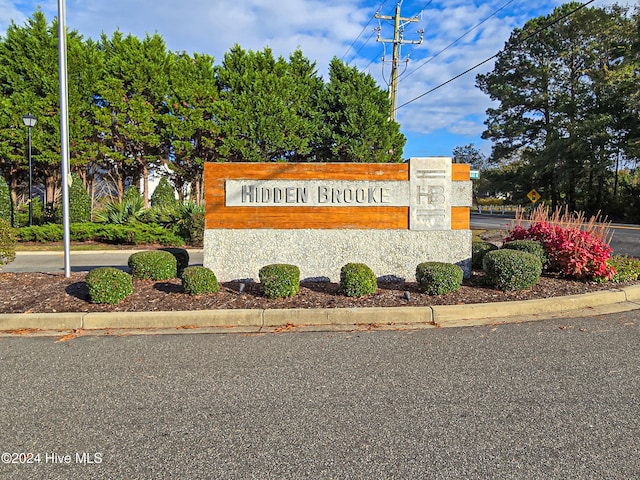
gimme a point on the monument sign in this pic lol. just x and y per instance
(320, 216)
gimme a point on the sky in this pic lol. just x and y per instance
(434, 124)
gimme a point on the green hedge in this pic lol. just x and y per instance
(357, 280)
(279, 280)
(182, 258)
(511, 269)
(198, 280)
(153, 265)
(478, 250)
(438, 278)
(127, 234)
(108, 285)
(530, 246)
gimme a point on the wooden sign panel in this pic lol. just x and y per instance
(335, 196)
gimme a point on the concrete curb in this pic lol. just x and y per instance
(632, 293)
(447, 313)
(40, 321)
(594, 303)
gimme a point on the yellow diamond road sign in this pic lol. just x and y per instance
(533, 196)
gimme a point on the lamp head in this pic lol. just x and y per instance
(29, 120)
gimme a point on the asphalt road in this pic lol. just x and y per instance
(549, 400)
(80, 261)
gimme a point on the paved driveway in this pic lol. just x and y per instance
(546, 400)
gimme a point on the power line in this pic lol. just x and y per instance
(396, 41)
(494, 56)
(425, 6)
(361, 32)
(371, 36)
(362, 46)
(418, 15)
(456, 40)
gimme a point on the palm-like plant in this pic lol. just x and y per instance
(128, 210)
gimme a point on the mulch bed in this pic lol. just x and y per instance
(48, 293)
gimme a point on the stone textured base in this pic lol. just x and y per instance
(239, 254)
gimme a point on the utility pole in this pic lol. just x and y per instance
(398, 39)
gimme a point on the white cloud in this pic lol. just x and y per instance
(320, 28)
(456, 107)
(8, 12)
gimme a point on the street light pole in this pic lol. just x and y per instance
(64, 132)
(30, 121)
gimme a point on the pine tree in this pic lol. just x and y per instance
(355, 112)
(557, 112)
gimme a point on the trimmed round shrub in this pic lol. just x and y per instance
(511, 269)
(153, 265)
(478, 251)
(279, 280)
(530, 246)
(357, 280)
(197, 280)
(182, 258)
(7, 243)
(108, 285)
(438, 278)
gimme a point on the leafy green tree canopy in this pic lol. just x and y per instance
(564, 105)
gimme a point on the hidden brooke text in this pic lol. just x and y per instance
(251, 194)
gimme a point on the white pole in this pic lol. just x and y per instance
(64, 130)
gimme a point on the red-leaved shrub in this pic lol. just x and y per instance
(571, 251)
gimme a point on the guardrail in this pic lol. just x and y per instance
(496, 209)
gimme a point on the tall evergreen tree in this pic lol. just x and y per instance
(355, 111)
(28, 75)
(189, 126)
(84, 73)
(30, 83)
(131, 97)
(556, 113)
(262, 114)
